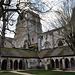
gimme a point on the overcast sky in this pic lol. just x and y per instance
(47, 17)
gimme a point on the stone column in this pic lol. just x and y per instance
(18, 65)
(69, 64)
(13, 65)
(46, 68)
(50, 64)
(63, 63)
(59, 65)
(54, 65)
(39, 44)
(53, 40)
(8, 64)
(23, 65)
(45, 64)
(0, 63)
(28, 64)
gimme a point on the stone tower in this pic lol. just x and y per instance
(27, 30)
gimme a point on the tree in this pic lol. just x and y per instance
(66, 21)
(6, 15)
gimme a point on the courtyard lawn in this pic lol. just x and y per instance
(8, 73)
(48, 72)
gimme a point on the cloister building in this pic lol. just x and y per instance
(32, 48)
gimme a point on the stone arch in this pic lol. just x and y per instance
(20, 64)
(66, 63)
(15, 65)
(61, 65)
(52, 63)
(57, 63)
(4, 65)
(11, 63)
(72, 63)
(47, 44)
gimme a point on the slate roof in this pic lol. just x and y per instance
(11, 52)
(59, 51)
(10, 40)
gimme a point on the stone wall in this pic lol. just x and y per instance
(50, 39)
(7, 63)
(60, 63)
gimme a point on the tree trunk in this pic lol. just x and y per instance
(3, 34)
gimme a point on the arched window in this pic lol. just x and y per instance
(20, 65)
(25, 44)
(41, 37)
(60, 43)
(15, 65)
(11, 62)
(52, 63)
(61, 65)
(4, 65)
(47, 44)
(72, 63)
(57, 63)
(66, 63)
(32, 39)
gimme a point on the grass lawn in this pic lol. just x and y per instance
(48, 72)
(8, 73)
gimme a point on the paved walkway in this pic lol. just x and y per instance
(21, 73)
